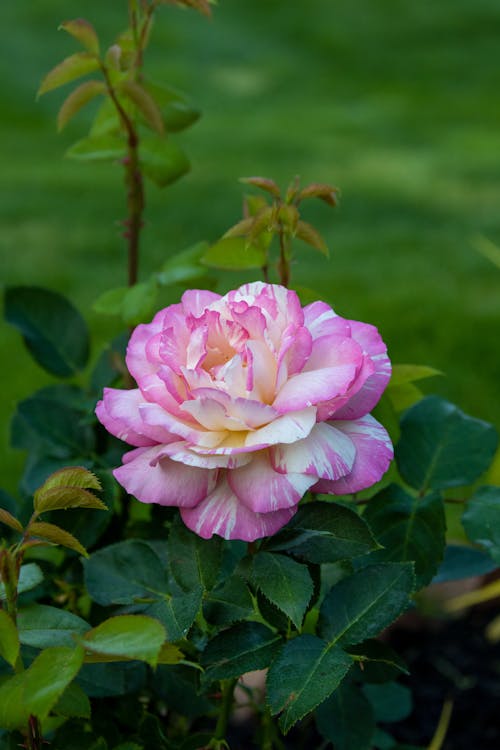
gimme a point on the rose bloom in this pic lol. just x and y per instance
(245, 402)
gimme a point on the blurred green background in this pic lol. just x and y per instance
(394, 101)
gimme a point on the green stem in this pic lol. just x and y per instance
(225, 710)
(284, 259)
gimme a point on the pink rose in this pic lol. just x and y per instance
(245, 402)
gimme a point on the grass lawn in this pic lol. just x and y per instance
(396, 102)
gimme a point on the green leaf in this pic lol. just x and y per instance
(78, 98)
(105, 147)
(144, 102)
(402, 374)
(30, 576)
(234, 254)
(390, 701)
(184, 266)
(309, 234)
(170, 654)
(162, 160)
(286, 583)
(55, 535)
(73, 703)
(83, 32)
(125, 573)
(481, 520)
(72, 67)
(346, 719)
(104, 680)
(323, 532)
(64, 498)
(41, 626)
(71, 476)
(229, 602)
(403, 396)
(363, 604)
(306, 671)
(239, 649)
(442, 447)
(409, 529)
(111, 301)
(9, 639)
(194, 562)
(53, 330)
(37, 690)
(127, 636)
(139, 302)
(176, 109)
(9, 520)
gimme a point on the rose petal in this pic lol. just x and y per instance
(369, 395)
(119, 413)
(321, 320)
(285, 429)
(196, 301)
(327, 452)
(180, 451)
(263, 490)
(153, 414)
(374, 453)
(223, 514)
(308, 388)
(159, 480)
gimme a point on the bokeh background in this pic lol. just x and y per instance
(396, 102)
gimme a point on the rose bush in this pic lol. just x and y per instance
(246, 401)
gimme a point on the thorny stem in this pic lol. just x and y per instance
(284, 259)
(225, 710)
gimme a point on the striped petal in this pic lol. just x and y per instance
(223, 514)
(153, 479)
(327, 452)
(262, 489)
(374, 453)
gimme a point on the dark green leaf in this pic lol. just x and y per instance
(390, 701)
(481, 520)
(177, 613)
(30, 576)
(234, 254)
(110, 302)
(242, 648)
(323, 532)
(162, 160)
(128, 636)
(461, 562)
(9, 639)
(306, 671)
(42, 626)
(194, 562)
(179, 686)
(286, 583)
(176, 109)
(110, 365)
(125, 573)
(37, 690)
(49, 424)
(228, 602)
(409, 528)
(53, 330)
(106, 680)
(361, 605)
(442, 447)
(378, 661)
(73, 703)
(346, 719)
